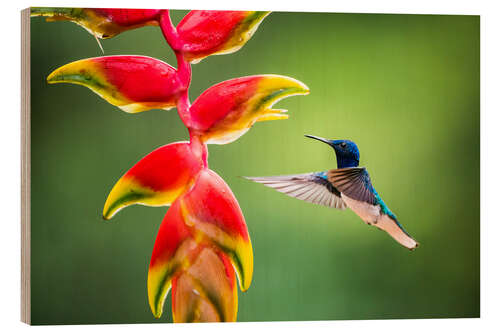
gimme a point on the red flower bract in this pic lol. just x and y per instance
(158, 178)
(206, 32)
(101, 22)
(206, 217)
(211, 208)
(128, 17)
(133, 83)
(227, 110)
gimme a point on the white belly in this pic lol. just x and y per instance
(368, 213)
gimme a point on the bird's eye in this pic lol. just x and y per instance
(343, 144)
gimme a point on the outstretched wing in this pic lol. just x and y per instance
(310, 187)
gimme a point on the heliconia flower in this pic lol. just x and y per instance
(101, 22)
(158, 178)
(132, 83)
(203, 242)
(227, 110)
(202, 33)
(206, 291)
(207, 215)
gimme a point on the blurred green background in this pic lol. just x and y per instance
(405, 88)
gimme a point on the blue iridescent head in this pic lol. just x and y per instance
(346, 151)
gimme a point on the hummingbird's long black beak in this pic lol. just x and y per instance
(319, 139)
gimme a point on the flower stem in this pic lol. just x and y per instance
(183, 66)
(169, 31)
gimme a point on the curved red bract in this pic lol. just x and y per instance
(211, 209)
(227, 110)
(210, 200)
(203, 31)
(101, 22)
(207, 216)
(158, 178)
(167, 167)
(128, 17)
(215, 103)
(133, 83)
(173, 231)
(141, 79)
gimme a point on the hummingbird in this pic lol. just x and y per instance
(347, 186)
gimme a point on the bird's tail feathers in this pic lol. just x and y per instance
(394, 229)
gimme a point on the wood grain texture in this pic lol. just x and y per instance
(25, 168)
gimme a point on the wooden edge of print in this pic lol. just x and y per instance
(25, 168)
